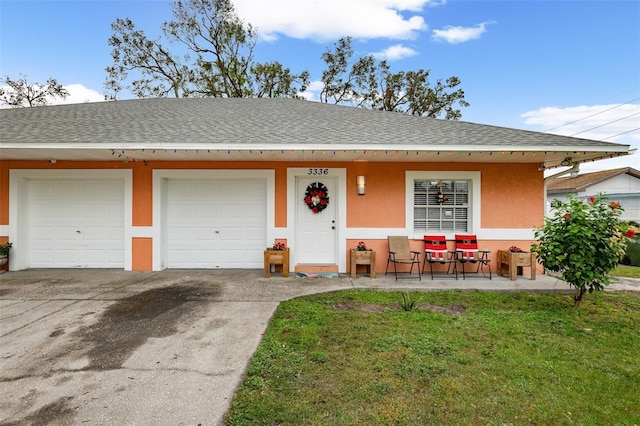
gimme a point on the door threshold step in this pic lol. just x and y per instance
(316, 267)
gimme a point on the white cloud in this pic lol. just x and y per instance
(331, 19)
(77, 94)
(313, 91)
(396, 52)
(597, 122)
(455, 35)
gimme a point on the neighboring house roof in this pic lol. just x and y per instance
(151, 129)
(583, 181)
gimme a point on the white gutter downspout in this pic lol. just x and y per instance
(574, 169)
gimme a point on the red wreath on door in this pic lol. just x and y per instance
(316, 197)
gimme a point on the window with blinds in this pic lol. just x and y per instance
(441, 205)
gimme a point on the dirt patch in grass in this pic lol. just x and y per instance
(376, 308)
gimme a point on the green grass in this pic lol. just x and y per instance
(626, 271)
(497, 358)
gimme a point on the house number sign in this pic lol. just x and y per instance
(318, 172)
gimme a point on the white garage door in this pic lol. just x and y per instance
(216, 223)
(76, 223)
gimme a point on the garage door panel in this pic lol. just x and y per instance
(43, 233)
(230, 234)
(254, 216)
(95, 256)
(63, 234)
(66, 211)
(178, 210)
(254, 235)
(211, 217)
(93, 211)
(205, 214)
(66, 258)
(45, 257)
(231, 211)
(76, 223)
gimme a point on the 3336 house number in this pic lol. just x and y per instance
(318, 172)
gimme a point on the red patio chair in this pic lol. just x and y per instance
(435, 249)
(467, 252)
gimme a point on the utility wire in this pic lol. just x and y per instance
(592, 115)
(619, 134)
(606, 124)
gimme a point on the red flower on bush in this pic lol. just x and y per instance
(614, 205)
(630, 233)
(592, 199)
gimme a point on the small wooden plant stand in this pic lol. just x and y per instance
(512, 262)
(363, 257)
(276, 257)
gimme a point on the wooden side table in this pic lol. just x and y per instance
(511, 263)
(363, 257)
(276, 257)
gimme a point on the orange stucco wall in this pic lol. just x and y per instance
(512, 194)
(142, 254)
(142, 202)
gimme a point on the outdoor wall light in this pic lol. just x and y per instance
(361, 182)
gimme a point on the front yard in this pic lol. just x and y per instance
(357, 357)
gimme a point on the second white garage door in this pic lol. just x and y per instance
(217, 223)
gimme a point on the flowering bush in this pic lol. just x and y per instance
(361, 246)
(583, 241)
(279, 246)
(4, 249)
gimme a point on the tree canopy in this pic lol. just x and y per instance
(367, 83)
(21, 93)
(212, 55)
(218, 59)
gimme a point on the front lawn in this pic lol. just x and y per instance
(461, 358)
(626, 271)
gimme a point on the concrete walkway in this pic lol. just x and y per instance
(105, 347)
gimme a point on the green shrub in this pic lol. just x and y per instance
(583, 241)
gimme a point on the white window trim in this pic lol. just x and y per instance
(474, 198)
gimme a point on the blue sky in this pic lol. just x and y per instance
(567, 67)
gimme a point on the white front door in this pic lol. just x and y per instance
(316, 230)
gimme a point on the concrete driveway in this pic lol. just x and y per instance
(104, 347)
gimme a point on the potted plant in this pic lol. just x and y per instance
(4, 255)
(362, 246)
(277, 255)
(362, 255)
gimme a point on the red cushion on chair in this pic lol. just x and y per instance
(467, 245)
(466, 242)
(436, 245)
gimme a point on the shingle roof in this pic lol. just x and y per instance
(252, 123)
(585, 180)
